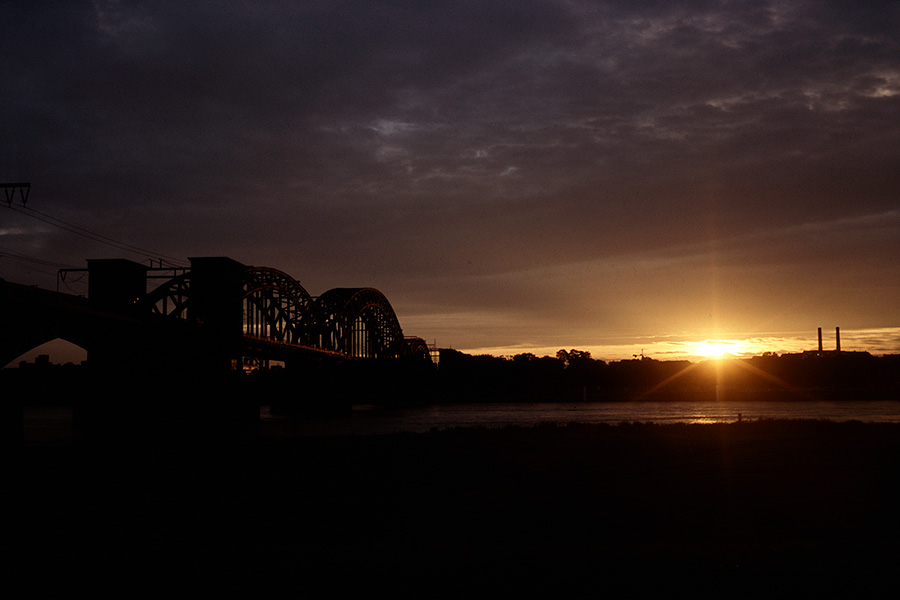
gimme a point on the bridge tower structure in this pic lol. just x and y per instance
(202, 330)
(218, 315)
(115, 287)
(216, 306)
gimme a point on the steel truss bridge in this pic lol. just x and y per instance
(218, 313)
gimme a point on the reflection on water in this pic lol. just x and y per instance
(369, 419)
(47, 424)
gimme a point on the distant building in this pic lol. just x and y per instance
(41, 361)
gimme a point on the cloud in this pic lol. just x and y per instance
(562, 162)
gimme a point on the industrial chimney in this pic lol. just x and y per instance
(837, 338)
(820, 339)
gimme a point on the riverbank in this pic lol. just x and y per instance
(770, 506)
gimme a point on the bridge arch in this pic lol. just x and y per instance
(220, 310)
(33, 317)
(416, 347)
(171, 299)
(360, 322)
(277, 307)
(274, 305)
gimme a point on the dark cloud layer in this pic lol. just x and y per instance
(507, 172)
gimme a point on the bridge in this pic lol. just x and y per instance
(217, 319)
(217, 313)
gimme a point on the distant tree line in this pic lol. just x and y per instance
(573, 375)
(569, 376)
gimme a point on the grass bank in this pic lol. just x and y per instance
(770, 506)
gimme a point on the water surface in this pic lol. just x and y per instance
(370, 419)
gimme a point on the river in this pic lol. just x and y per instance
(370, 419)
(54, 424)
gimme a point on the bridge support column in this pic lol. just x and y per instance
(114, 285)
(217, 302)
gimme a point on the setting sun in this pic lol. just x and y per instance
(718, 348)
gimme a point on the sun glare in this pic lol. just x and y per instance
(717, 349)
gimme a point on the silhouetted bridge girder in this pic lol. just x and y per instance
(33, 316)
(219, 314)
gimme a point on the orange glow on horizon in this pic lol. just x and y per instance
(718, 348)
(667, 348)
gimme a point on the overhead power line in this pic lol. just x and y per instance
(34, 264)
(96, 237)
(6, 253)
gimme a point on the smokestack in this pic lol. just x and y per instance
(837, 338)
(820, 339)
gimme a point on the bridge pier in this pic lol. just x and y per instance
(334, 386)
(184, 411)
(13, 419)
(217, 304)
(311, 386)
(116, 285)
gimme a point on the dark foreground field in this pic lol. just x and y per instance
(772, 507)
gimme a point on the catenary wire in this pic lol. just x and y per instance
(6, 253)
(96, 237)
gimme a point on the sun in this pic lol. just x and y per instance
(717, 348)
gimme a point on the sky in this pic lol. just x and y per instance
(618, 177)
